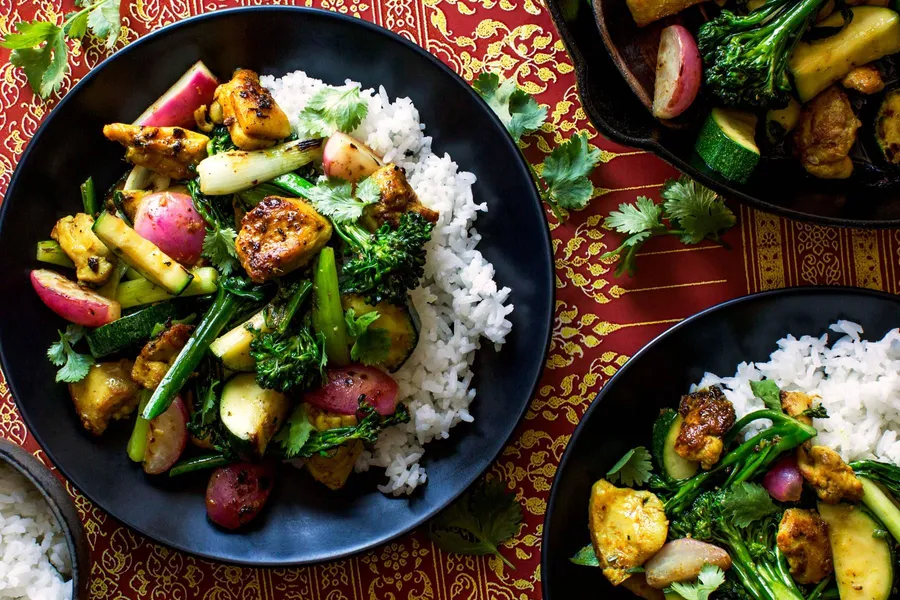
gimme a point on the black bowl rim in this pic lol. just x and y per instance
(523, 172)
(813, 290)
(651, 144)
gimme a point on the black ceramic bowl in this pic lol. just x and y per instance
(303, 521)
(779, 186)
(622, 415)
(61, 506)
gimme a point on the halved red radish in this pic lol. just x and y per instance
(166, 438)
(679, 71)
(176, 107)
(71, 301)
(169, 220)
(341, 392)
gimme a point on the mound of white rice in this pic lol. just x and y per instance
(33, 550)
(858, 382)
(458, 303)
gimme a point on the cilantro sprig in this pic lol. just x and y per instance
(634, 468)
(338, 200)
(748, 502)
(371, 344)
(39, 47)
(219, 248)
(334, 109)
(767, 391)
(295, 433)
(708, 581)
(689, 211)
(73, 366)
(518, 111)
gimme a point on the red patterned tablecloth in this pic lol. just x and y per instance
(601, 320)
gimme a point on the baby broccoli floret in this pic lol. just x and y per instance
(289, 361)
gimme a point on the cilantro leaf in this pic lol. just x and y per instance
(337, 199)
(103, 20)
(586, 557)
(696, 210)
(632, 469)
(208, 407)
(371, 344)
(642, 216)
(748, 502)
(218, 247)
(295, 433)
(30, 35)
(516, 109)
(76, 25)
(73, 366)
(767, 391)
(708, 581)
(39, 49)
(333, 109)
(479, 521)
(566, 171)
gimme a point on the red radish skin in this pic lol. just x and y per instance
(166, 438)
(349, 159)
(176, 107)
(341, 392)
(679, 71)
(169, 220)
(784, 481)
(72, 302)
(237, 493)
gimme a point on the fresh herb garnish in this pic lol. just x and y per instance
(518, 111)
(586, 557)
(371, 344)
(338, 200)
(295, 432)
(816, 412)
(73, 366)
(634, 468)
(479, 521)
(333, 109)
(748, 502)
(708, 581)
(767, 391)
(219, 248)
(693, 212)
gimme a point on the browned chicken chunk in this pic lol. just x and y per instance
(252, 116)
(795, 403)
(637, 585)
(94, 262)
(106, 393)
(832, 478)
(169, 151)
(865, 79)
(825, 134)
(334, 469)
(803, 538)
(708, 415)
(397, 197)
(158, 354)
(280, 235)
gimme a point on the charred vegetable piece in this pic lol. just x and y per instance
(863, 565)
(167, 437)
(237, 493)
(887, 126)
(175, 108)
(129, 331)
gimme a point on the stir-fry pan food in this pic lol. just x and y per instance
(755, 486)
(257, 288)
(812, 81)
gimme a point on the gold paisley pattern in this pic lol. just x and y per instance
(601, 320)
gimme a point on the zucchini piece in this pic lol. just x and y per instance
(396, 320)
(49, 251)
(129, 330)
(665, 432)
(252, 415)
(233, 348)
(872, 33)
(863, 564)
(782, 121)
(141, 254)
(882, 506)
(132, 274)
(726, 143)
(140, 291)
(887, 127)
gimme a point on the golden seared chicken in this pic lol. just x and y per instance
(397, 197)
(158, 354)
(333, 470)
(280, 235)
(106, 393)
(637, 585)
(803, 539)
(865, 79)
(94, 262)
(707, 415)
(252, 116)
(825, 134)
(627, 528)
(169, 151)
(832, 478)
(795, 403)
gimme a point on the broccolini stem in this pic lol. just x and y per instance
(327, 312)
(89, 197)
(293, 183)
(199, 463)
(290, 309)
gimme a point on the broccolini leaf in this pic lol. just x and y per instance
(479, 521)
(696, 210)
(586, 557)
(371, 344)
(366, 430)
(767, 391)
(74, 366)
(295, 432)
(516, 109)
(333, 109)
(218, 247)
(709, 580)
(747, 502)
(632, 469)
(337, 200)
(566, 173)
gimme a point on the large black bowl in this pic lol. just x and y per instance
(622, 415)
(778, 186)
(303, 522)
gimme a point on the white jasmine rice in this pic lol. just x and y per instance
(857, 381)
(458, 302)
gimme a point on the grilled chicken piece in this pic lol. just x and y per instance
(832, 478)
(169, 151)
(627, 528)
(106, 393)
(280, 235)
(637, 585)
(708, 415)
(253, 118)
(825, 134)
(795, 403)
(158, 354)
(332, 470)
(94, 262)
(803, 538)
(865, 79)
(397, 197)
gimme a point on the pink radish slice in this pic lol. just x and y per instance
(345, 385)
(169, 220)
(678, 72)
(72, 302)
(784, 481)
(166, 438)
(176, 107)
